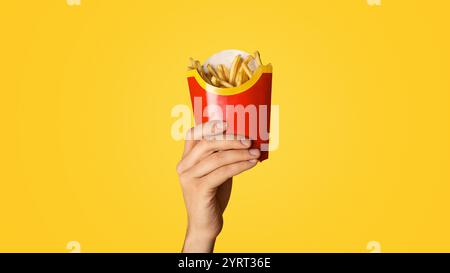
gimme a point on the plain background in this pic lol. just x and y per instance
(86, 152)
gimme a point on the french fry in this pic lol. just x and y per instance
(192, 62)
(206, 78)
(244, 76)
(258, 58)
(238, 80)
(197, 64)
(226, 72)
(235, 68)
(211, 70)
(202, 73)
(220, 83)
(192, 65)
(221, 73)
(247, 70)
(225, 84)
(248, 59)
(240, 77)
(215, 81)
(222, 76)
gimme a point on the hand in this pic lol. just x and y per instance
(209, 162)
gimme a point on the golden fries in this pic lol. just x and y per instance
(192, 64)
(215, 81)
(221, 72)
(211, 70)
(226, 84)
(258, 58)
(222, 76)
(247, 70)
(226, 72)
(247, 59)
(235, 69)
(238, 78)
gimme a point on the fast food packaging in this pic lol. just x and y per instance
(245, 108)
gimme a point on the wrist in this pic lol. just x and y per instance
(198, 242)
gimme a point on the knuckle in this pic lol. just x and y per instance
(245, 165)
(179, 168)
(225, 144)
(239, 167)
(243, 154)
(237, 155)
(219, 156)
(235, 167)
(205, 144)
(226, 170)
(184, 179)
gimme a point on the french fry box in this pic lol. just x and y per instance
(245, 108)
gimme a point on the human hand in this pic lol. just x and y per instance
(209, 162)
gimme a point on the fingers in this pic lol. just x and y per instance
(220, 175)
(219, 159)
(207, 147)
(210, 128)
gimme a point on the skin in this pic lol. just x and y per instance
(206, 169)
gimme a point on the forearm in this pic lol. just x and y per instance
(197, 243)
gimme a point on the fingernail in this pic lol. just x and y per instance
(246, 142)
(253, 160)
(254, 152)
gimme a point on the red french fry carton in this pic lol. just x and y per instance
(245, 108)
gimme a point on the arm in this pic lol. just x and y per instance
(205, 172)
